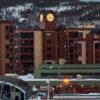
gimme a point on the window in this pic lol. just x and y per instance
(9, 28)
(26, 57)
(80, 33)
(26, 35)
(73, 34)
(96, 45)
(17, 35)
(49, 49)
(48, 41)
(17, 50)
(49, 63)
(71, 49)
(29, 42)
(26, 50)
(80, 62)
(48, 56)
(71, 62)
(71, 57)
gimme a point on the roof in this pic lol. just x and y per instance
(81, 66)
(71, 68)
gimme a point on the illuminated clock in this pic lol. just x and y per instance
(41, 17)
(50, 17)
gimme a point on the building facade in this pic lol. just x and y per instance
(23, 50)
(7, 29)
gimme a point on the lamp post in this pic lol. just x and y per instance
(48, 82)
(14, 91)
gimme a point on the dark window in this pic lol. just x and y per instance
(96, 45)
(17, 35)
(71, 49)
(80, 62)
(71, 62)
(29, 42)
(9, 28)
(71, 57)
(27, 65)
(26, 35)
(49, 49)
(17, 50)
(48, 56)
(73, 34)
(49, 63)
(26, 57)
(27, 50)
(48, 41)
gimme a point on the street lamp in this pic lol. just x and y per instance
(48, 82)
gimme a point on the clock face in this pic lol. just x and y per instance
(50, 17)
(41, 17)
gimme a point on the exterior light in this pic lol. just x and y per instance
(66, 81)
(92, 86)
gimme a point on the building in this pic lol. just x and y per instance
(24, 50)
(7, 29)
(49, 45)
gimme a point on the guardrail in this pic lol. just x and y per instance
(89, 96)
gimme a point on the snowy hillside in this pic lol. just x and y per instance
(17, 13)
(14, 12)
(69, 13)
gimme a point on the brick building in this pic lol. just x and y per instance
(7, 29)
(23, 50)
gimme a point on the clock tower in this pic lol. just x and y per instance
(47, 20)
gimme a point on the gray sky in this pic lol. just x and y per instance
(90, 0)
